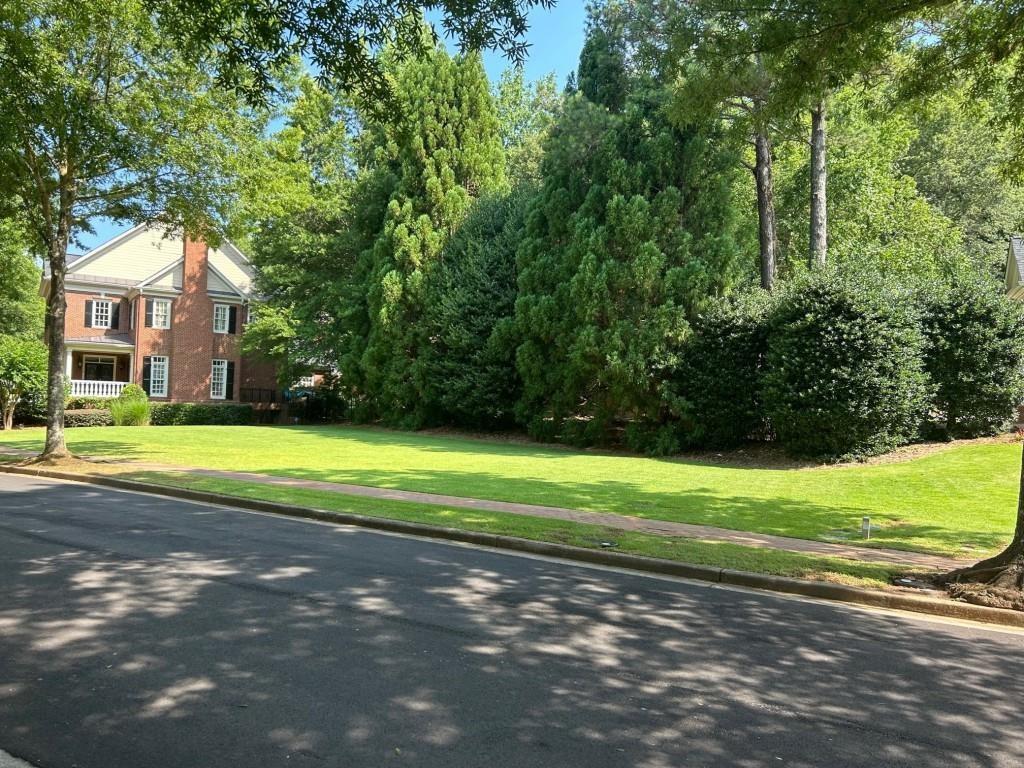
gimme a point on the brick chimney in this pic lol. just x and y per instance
(192, 328)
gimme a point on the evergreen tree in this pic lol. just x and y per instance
(632, 232)
(440, 152)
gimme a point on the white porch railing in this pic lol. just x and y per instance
(84, 388)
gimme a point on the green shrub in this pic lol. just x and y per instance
(845, 367)
(133, 392)
(181, 414)
(129, 412)
(85, 403)
(89, 417)
(715, 389)
(975, 356)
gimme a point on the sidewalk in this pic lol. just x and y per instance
(606, 519)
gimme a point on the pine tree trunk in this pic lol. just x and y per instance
(819, 186)
(765, 208)
(56, 307)
(1005, 571)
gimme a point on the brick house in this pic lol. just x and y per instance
(165, 312)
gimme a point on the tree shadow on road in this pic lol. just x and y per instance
(137, 631)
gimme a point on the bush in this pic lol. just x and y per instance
(181, 414)
(975, 356)
(89, 417)
(85, 403)
(715, 389)
(31, 408)
(845, 367)
(129, 412)
(133, 392)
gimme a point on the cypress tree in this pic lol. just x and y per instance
(441, 151)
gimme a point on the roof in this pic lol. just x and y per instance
(1017, 249)
(1015, 268)
(114, 340)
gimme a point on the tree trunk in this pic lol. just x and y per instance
(819, 186)
(56, 307)
(1005, 571)
(765, 208)
(8, 417)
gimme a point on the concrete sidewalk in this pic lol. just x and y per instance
(606, 519)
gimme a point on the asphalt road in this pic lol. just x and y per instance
(138, 632)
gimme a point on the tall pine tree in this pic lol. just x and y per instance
(440, 153)
(631, 233)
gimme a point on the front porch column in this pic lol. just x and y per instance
(131, 367)
(67, 365)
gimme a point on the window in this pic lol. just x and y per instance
(131, 314)
(98, 368)
(101, 314)
(154, 375)
(219, 379)
(161, 313)
(221, 318)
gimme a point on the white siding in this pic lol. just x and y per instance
(135, 258)
(172, 279)
(234, 269)
(216, 284)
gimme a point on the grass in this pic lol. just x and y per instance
(960, 501)
(714, 554)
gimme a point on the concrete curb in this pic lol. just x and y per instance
(816, 589)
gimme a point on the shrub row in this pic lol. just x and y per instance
(838, 367)
(167, 414)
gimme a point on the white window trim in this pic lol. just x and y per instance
(152, 379)
(95, 312)
(227, 317)
(223, 366)
(166, 303)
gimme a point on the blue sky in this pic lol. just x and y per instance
(555, 37)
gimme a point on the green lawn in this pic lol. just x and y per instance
(959, 501)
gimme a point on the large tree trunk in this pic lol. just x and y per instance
(8, 416)
(765, 208)
(1005, 571)
(819, 186)
(56, 307)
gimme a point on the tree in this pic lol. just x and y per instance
(631, 233)
(439, 152)
(526, 112)
(253, 40)
(22, 371)
(100, 118)
(21, 307)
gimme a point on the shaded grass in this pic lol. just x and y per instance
(715, 554)
(960, 501)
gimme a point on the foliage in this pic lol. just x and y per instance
(85, 403)
(179, 414)
(440, 152)
(469, 365)
(129, 412)
(715, 389)
(631, 233)
(253, 41)
(975, 356)
(133, 392)
(526, 112)
(22, 373)
(845, 368)
(89, 417)
(21, 307)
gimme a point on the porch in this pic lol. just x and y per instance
(98, 373)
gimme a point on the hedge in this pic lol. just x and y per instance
(87, 417)
(845, 368)
(181, 414)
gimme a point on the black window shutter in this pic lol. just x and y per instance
(146, 375)
(115, 314)
(149, 313)
(229, 382)
(88, 314)
(232, 319)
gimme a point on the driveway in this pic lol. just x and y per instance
(142, 632)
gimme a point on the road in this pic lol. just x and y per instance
(141, 632)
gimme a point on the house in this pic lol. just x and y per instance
(1015, 269)
(165, 312)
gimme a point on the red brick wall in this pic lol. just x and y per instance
(74, 321)
(190, 344)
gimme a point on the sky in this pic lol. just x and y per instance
(555, 37)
